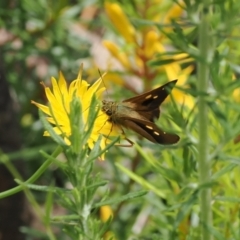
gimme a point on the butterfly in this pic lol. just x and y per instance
(138, 114)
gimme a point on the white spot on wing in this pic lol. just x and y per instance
(148, 96)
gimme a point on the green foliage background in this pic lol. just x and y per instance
(42, 41)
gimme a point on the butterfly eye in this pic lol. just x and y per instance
(108, 112)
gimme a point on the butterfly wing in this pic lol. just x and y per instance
(150, 131)
(151, 101)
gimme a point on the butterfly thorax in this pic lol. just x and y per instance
(119, 110)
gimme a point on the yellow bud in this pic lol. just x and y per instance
(150, 41)
(112, 48)
(180, 56)
(115, 51)
(152, 44)
(113, 77)
(139, 62)
(105, 213)
(174, 12)
(236, 95)
(236, 92)
(120, 21)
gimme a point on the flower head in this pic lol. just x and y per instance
(58, 111)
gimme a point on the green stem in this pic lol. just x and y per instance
(204, 162)
(34, 177)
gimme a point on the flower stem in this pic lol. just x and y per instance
(203, 160)
(33, 178)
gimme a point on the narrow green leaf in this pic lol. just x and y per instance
(123, 198)
(141, 181)
(58, 139)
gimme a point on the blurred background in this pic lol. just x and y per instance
(142, 44)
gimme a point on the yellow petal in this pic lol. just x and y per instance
(44, 108)
(56, 90)
(172, 70)
(64, 90)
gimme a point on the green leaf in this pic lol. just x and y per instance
(226, 169)
(123, 198)
(58, 139)
(227, 199)
(142, 181)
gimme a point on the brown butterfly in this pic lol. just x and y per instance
(138, 114)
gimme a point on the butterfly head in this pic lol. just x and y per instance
(108, 107)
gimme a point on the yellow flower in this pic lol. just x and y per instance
(58, 111)
(174, 71)
(120, 21)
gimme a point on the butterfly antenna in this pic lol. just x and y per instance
(101, 76)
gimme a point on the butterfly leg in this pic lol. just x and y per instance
(126, 145)
(128, 140)
(119, 145)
